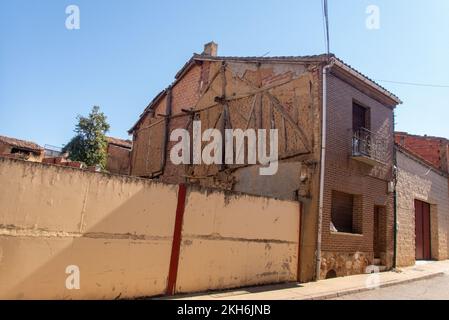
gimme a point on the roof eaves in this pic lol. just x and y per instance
(399, 133)
(22, 144)
(280, 59)
(161, 94)
(185, 68)
(348, 68)
(150, 106)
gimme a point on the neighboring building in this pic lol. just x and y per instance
(119, 152)
(422, 208)
(285, 93)
(118, 155)
(433, 149)
(62, 160)
(52, 151)
(20, 149)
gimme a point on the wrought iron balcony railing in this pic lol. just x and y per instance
(369, 147)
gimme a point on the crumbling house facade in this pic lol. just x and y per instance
(341, 172)
(119, 152)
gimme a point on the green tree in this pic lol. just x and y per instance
(89, 144)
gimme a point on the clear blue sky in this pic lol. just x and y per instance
(127, 51)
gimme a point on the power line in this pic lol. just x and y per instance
(415, 84)
(327, 42)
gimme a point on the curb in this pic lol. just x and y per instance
(392, 283)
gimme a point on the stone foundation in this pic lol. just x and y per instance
(345, 264)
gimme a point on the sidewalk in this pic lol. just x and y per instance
(332, 288)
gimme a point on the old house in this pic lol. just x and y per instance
(422, 199)
(341, 172)
(20, 149)
(119, 152)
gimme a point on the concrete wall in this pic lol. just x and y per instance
(119, 231)
(418, 181)
(237, 239)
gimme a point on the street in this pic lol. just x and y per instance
(430, 289)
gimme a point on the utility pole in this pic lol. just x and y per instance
(326, 25)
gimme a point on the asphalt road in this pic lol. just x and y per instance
(431, 289)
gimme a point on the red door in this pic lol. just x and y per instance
(422, 230)
(376, 233)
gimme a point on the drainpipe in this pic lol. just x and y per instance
(395, 199)
(322, 171)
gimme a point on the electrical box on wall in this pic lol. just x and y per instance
(391, 188)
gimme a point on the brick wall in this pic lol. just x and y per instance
(417, 181)
(432, 149)
(344, 174)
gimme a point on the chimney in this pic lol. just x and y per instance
(210, 49)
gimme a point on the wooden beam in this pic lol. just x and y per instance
(176, 243)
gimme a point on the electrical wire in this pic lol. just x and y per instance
(415, 84)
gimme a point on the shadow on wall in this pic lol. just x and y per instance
(118, 231)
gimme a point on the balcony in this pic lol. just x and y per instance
(369, 148)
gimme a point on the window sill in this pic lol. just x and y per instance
(346, 234)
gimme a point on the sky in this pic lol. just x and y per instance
(125, 52)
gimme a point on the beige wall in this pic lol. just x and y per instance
(418, 181)
(118, 231)
(237, 239)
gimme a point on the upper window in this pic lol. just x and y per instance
(360, 117)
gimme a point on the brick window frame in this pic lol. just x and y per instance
(346, 213)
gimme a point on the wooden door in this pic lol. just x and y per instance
(376, 238)
(422, 230)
